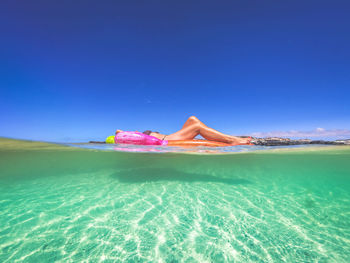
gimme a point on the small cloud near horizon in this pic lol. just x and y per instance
(318, 132)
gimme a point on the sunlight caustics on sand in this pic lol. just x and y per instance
(71, 204)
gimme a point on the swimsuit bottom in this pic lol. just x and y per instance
(148, 132)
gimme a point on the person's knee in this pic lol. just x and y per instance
(194, 123)
(193, 119)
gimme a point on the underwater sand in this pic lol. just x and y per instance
(70, 204)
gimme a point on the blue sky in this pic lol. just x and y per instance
(78, 70)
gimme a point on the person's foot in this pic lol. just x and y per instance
(240, 140)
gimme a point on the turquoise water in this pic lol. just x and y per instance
(64, 204)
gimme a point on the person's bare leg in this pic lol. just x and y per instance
(194, 127)
(190, 121)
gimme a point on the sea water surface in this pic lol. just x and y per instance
(71, 204)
